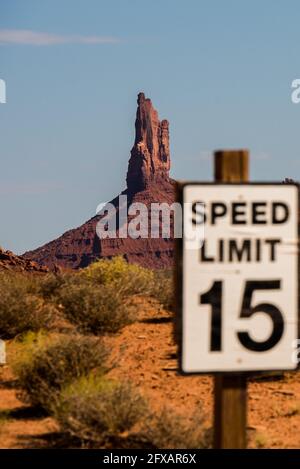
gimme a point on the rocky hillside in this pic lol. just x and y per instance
(147, 181)
(9, 261)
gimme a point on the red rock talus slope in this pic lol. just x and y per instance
(147, 181)
(9, 261)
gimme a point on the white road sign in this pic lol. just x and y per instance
(240, 283)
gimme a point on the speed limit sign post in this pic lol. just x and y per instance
(237, 285)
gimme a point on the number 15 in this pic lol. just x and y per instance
(213, 297)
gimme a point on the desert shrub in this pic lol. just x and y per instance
(97, 411)
(101, 413)
(168, 430)
(49, 284)
(129, 279)
(51, 366)
(24, 281)
(21, 308)
(93, 308)
(163, 289)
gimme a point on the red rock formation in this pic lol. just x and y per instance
(150, 155)
(147, 181)
(9, 261)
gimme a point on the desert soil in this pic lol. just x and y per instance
(144, 353)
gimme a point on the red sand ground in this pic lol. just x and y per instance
(144, 352)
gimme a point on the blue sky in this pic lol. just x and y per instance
(220, 72)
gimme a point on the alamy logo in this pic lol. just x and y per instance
(156, 220)
(295, 95)
(2, 91)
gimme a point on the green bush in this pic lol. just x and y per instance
(95, 309)
(97, 412)
(21, 308)
(52, 365)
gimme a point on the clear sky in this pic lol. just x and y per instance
(219, 71)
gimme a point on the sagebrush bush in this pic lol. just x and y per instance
(52, 365)
(21, 307)
(50, 283)
(131, 279)
(169, 430)
(97, 411)
(95, 309)
(163, 289)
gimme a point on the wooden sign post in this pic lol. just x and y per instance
(230, 391)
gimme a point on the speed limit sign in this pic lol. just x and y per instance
(239, 277)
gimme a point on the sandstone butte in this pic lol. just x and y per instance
(148, 182)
